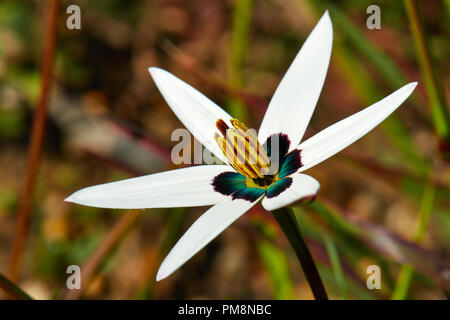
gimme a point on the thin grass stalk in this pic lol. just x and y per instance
(430, 75)
(336, 266)
(406, 273)
(277, 266)
(242, 16)
(37, 138)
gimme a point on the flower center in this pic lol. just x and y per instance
(244, 153)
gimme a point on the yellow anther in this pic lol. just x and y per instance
(250, 135)
(242, 149)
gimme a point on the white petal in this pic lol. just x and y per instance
(198, 113)
(186, 187)
(343, 133)
(302, 186)
(296, 97)
(205, 229)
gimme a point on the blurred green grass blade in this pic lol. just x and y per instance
(334, 219)
(365, 86)
(349, 237)
(404, 279)
(242, 16)
(443, 221)
(355, 73)
(17, 16)
(336, 266)
(277, 266)
(356, 290)
(173, 225)
(366, 90)
(447, 7)
(376, 241)
(431, 79)
(12, 123)
(406, 273)
(12, 289)
(404, 143)
(381, 61)
(352, 248)
(426, 208)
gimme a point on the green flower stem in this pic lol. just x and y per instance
(288, 223)
(14, 291)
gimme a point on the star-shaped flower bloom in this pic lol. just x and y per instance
(237, 186)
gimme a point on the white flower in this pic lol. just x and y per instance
(233, 188)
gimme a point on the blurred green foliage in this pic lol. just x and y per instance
(104, 102)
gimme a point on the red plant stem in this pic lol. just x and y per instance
(37, 138)
(119, 230)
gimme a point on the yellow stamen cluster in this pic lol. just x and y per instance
(242, 150)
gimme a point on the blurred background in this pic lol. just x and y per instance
(383, 201)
